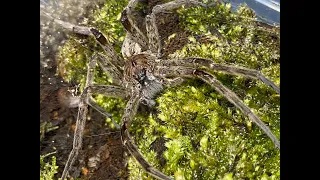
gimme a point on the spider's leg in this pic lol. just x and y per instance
(198, 63)
(85, 100)
(152, 30)
(130, 23)
(129, 113)
(110, 91)
(179, 71)
(81, 119)
(88, 31)
(95, 106)
(109, 68)
(153, 35)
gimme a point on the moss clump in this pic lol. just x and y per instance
(203, 136)
(74, 55)
(206, 136)
(47, 169)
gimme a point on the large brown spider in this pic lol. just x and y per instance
(144, 71)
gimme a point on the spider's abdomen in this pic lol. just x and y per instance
(150, 89)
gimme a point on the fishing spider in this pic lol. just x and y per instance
(142, 73)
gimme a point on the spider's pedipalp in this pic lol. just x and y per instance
(180, 71)
(129, 21)
(209, 64)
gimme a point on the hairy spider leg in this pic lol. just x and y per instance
(129, 22)
(110, 69)
(81, 119)
(153, 35)
(110, 91)
(152, 30)
(181, 71)
(199, 63)
(98, 36)
(111, 65)
(130, 111)
(85, 100)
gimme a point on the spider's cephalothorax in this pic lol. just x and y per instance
(142, 72)
(139, 69)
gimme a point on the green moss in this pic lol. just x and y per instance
(74, 55)
(46, 127)
(47, 169)
(206, 137)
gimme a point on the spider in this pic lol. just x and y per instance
(144, 71)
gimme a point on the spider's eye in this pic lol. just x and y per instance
(141, 76)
